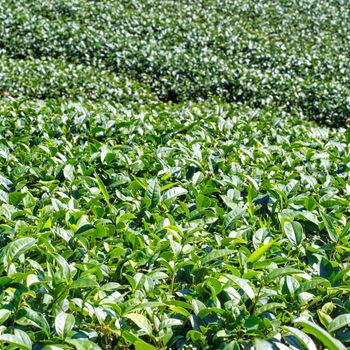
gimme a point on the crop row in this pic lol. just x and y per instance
(281, 54)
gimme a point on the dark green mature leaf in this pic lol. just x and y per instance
(244, 284)
(269, 307)
(63, 324)
(19, 339)
(34, 318)
(173, 193)
(153, 193)
(339, 322)
(4, 315)
(64, 267)
(321, 334)
(303, 338)
(294, 232)
(331, 230)
(16, 197)
(231, 217)
(16, 248)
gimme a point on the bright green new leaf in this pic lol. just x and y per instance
(258, 253)
(102, 188)
(84, 283)
(83, 344)
(141, 345)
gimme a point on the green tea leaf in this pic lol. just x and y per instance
(303, 338)
(19, 339)
(16, 248)
(284, 271)
(331, 230)
(64, 324)
(153, 193)
(173, 193)
(141, 345)
(34, 318)
(64, 267)
(258, 253)
(84, 283)
(339, 322)
(83, 344)
(294, 232)
(243, 284)
(4, 315)
(216, 254)
(321, 334)
(141, 321)
(102, 188)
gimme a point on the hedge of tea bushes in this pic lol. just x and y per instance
(53, 78)
(293, 56)
(171, 226)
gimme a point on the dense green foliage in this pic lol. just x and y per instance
(292, 55)
(209, 227)
(158, 188)
(56, 78)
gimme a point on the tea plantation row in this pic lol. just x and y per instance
(291, 55)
